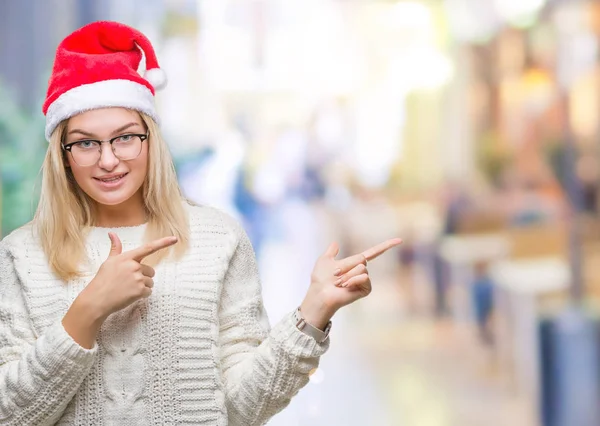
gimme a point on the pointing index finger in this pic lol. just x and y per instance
(350, 262)
(147, 249)
(379, 249)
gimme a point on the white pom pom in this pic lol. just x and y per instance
(156, 77)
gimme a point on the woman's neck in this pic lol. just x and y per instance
(130, 213)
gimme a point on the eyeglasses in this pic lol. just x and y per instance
(87, 152)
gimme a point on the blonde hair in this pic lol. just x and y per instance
(65, 211)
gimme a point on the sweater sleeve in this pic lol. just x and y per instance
(262, 368)
(38, 374)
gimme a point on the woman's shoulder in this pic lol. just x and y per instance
(18, 239)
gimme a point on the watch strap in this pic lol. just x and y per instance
(310, 330)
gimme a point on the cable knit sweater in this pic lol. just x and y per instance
(198, 351)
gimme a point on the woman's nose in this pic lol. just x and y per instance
(108, 159)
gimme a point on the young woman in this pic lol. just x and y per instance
(121, 303)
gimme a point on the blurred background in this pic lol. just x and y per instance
(470, 128)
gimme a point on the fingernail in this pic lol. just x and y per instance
(345, 284)
(337, 272)
(338, 282)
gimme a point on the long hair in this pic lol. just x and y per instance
(65, 211)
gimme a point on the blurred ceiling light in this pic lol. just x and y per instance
(521, 13)
(409, 14)
(421, 68)
(471, 20)
(536, 90)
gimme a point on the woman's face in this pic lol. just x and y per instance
(110, 181)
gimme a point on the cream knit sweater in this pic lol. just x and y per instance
(199, 351)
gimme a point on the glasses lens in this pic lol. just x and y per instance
(86, 153)
(127, 147)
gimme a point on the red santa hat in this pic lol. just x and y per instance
(96, 67)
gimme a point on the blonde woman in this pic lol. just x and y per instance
(121, 303)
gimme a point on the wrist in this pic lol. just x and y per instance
(88, 311)
(83, 322)
(316, 314)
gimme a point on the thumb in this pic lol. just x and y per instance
(115, 247)
(333, 250)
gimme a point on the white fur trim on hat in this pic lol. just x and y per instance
(102, 94)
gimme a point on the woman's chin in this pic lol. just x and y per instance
(112, 199)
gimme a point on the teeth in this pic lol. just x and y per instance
(112, 179)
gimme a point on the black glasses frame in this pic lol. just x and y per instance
(69, 146)
(142, 136)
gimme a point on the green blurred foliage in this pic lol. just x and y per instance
(22, 150)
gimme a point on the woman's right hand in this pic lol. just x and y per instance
(121, 280)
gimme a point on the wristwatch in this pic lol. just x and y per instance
(319, 335)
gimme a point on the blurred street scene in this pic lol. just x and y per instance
(469, 128)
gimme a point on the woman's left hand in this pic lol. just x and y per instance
(337, 283)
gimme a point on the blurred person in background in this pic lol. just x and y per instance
(122, 303)
(482, 293)
(455, 205)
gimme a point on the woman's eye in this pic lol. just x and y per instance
(85, 144)
(125, 138)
